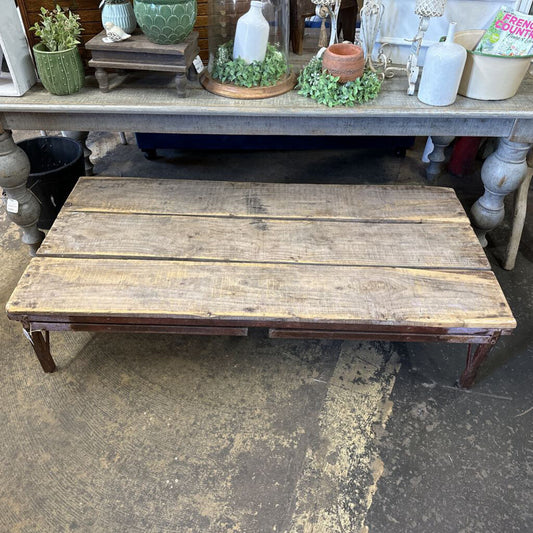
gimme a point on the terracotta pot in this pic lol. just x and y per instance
(345, 60)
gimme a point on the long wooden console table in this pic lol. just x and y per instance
(144, 104)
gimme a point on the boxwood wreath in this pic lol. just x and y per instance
(256, 74)
(317, 84)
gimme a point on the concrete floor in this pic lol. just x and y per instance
(171, 433)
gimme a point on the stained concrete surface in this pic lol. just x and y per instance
(172, 433)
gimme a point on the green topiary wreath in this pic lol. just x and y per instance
(317, 84)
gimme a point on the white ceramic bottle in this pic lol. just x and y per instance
(251, 35)
(443, 68)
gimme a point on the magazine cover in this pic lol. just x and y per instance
(510, 34)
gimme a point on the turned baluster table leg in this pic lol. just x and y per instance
(102, 77)
(502, 172)
(22, 206)
(81, 137)
(437, 157)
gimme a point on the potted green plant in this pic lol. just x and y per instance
(120, 13)
(57, 56)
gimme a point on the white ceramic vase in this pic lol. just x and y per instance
(251, 35)
(443, 68)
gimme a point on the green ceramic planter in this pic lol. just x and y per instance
(60, 72)
(165, 21)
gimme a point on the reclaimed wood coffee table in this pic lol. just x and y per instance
(323, 261)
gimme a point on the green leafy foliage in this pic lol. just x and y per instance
(317, 84)
(58, 30)
(256, 74)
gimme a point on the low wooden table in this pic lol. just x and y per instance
(322, 261)
(138, 53)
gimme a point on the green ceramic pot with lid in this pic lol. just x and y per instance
(165, 21)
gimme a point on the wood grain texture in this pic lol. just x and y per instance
(141, 96)
(287, 333)
(327, 296)
(133, 65)
(230, 90)
(139, 43)
(131, 119)
(364, 203)
(264, 240)
(141, 328)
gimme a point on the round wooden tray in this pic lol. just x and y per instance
(247, 93)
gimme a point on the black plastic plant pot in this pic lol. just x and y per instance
(56, 163)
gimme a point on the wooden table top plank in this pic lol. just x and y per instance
(98, 234)
(368, 203)
(322, 295)
(138, 42)
(144, 95)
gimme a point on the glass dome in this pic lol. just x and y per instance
(248, 48)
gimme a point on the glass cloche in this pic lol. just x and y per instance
(248, 48)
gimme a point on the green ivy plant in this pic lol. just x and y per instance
(58, 30)
(256, 74)
(317, 84)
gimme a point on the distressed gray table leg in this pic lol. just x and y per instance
(22, 206)
(502, 172)
(81, 137)
(437, 157)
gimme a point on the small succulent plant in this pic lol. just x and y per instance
(58, 29)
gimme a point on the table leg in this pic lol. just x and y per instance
(437, 157)
(502, 172)
(81, 137)
(22, 206)
(41, 346)
(474, 361)
(102, 77)
(519, 219)
(192, 75)
(181, 82)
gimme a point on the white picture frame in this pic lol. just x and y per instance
(20, 74)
